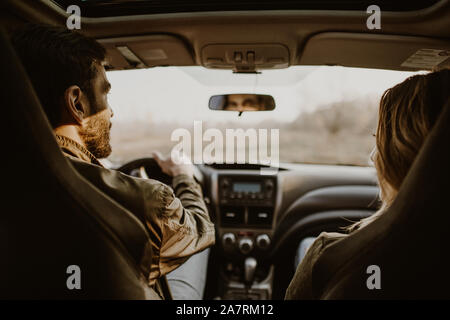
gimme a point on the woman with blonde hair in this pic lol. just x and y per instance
(407, 113)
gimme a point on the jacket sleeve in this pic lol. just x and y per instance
(185, 227)
(177, 219)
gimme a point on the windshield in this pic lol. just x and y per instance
(323, 115)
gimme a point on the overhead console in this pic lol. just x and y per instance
(245, 57)
(146, 51)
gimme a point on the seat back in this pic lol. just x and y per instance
(51, 217)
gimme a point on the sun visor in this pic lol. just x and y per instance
(146, 51)
(376, 51)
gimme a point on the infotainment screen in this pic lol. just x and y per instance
(246, 187)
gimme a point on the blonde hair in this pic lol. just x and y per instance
(407, 113)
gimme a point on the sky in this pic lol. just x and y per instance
(181, 94)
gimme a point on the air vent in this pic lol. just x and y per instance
(260, 216)
(232, 216)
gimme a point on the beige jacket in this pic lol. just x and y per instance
(177, 219)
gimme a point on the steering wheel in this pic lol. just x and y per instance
(146, 168)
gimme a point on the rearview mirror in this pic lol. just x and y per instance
(242, 102)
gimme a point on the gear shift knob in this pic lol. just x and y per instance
(249, 271)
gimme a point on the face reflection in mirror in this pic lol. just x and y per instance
(243, 102)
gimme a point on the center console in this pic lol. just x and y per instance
(246, 207)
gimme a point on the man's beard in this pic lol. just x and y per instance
(96, 136)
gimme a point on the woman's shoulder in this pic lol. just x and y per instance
(323, 241)
(301, 286)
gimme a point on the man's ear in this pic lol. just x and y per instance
(75, 104)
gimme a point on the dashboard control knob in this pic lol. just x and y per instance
(246, 245)
(269, 185)
(228, 239)
(225, 184)
(269, 188)
(263, 241)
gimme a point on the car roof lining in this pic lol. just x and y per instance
(104, 8)
(298, 30)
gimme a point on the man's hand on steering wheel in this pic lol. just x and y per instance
(174, 165)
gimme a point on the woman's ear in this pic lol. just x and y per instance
(75, 105)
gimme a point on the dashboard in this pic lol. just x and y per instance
(245, 205)
(261, 219)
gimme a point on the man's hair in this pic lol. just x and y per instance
(55, 59)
